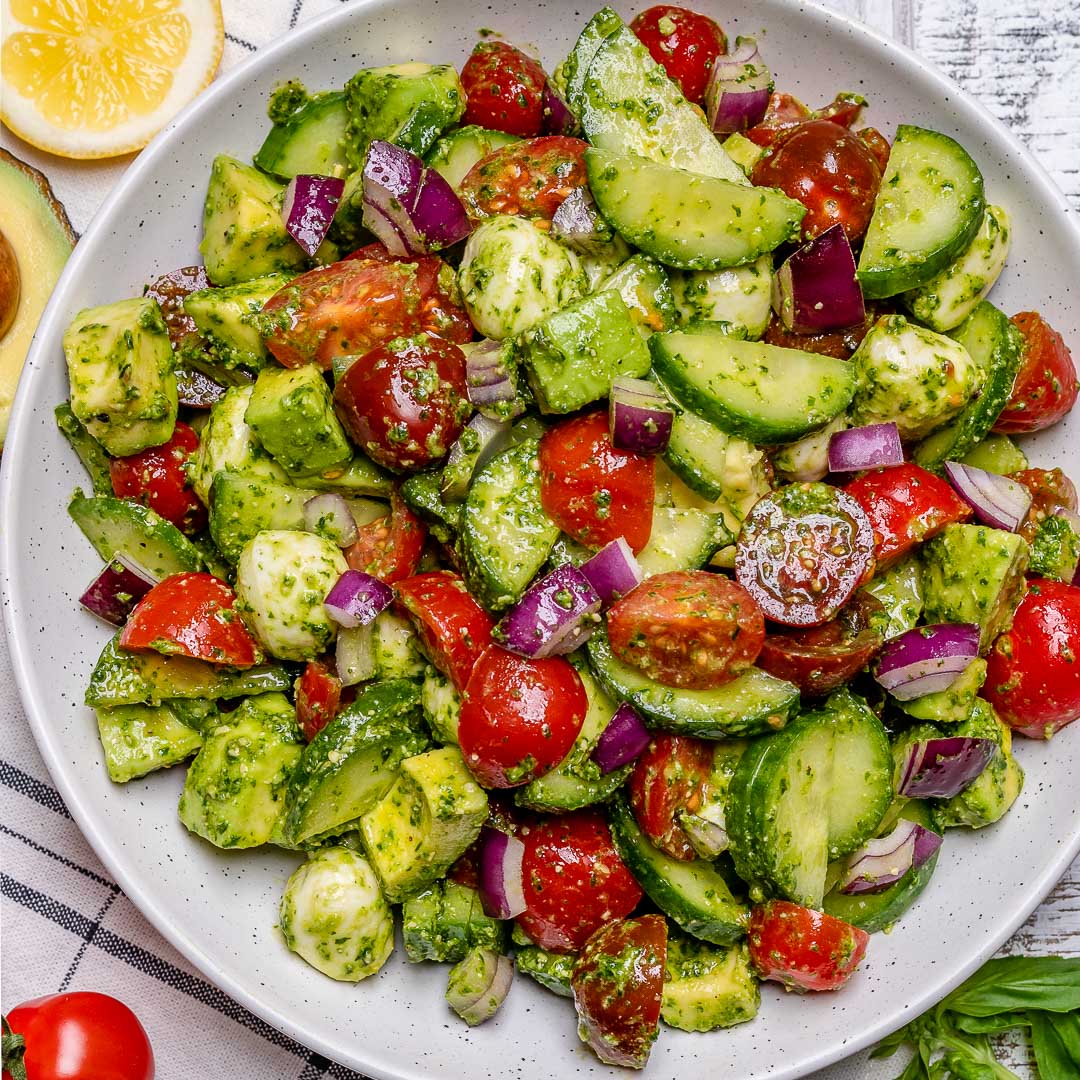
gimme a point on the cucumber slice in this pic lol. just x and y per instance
(457, 152)
(696, 453)
(687, 220)
(505, 533)
(91, 453)
(682, 539)
(308, 141)
(762, 393)
(997, 454)
(693, 894)
(600, 27)
(928, 210)
(748, 705)
(137, 739)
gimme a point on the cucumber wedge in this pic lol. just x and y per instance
(91, 453)
(928, 210)
(682, 539)
(762, 393)
(748, 705)
(597, 30)
(686, 219)
(308, 141)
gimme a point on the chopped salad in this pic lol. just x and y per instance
(581, 516)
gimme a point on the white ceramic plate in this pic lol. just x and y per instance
(220, 909)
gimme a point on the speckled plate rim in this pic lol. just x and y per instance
(21, 650)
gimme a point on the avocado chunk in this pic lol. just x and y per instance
(241, 507)
(424, 823)
(951, 706)
(553, 971)
(646, 291)
(244, 235)
(974, 574)
(1055, 549)
(445, 922)
(90, 452)
(573, 356)
(407, 104)
(707, 986)
(292, 414)
(442, 706)
(235, 788)
(226, 317)
(137, 739)
(120, 365)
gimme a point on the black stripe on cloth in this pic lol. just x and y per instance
(25, 784)
(297, 5)
(241, 42)
(95, 926)
(61, 859)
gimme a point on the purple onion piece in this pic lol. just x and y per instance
(998, 501)
(868, 447)
(478, 985)
(392, 178)
(357, 598)
(883, 862)
(113, 594)
(739, 108)
(942, 768)
(489, 378)
(355, 655)
(309, 208)
(579, 225)
(707, 834)
(502, 890)
(640, 417)
(623, 740)
(439, 216)
(328, 514)
(613, 571)
(481, 440)
(738, 91)
(558, 119)
(815, 290)
(927, 659)
(555, 616)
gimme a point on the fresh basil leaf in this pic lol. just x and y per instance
(1011, 983)
(891, 1043)
(1067, 1026)
(990, 1025)
(1053, 1055)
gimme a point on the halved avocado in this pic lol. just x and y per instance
(35, 242)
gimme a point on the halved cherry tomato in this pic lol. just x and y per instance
(688, 628)
(81, 1036)
(504, 88)
(804, 949)
(802, 552)
(574, 880)
(156, 478)
(684, 43)
(877, 144)
(669, 777)
(191, 615)
(405, 401)
(829, 170)
(453, 628)
(318, 697)
(838, 343)
(349, 307)
(906, 505)
(530, 179)
(784, 111)
(1033, 670)
(818, 659)
(592, 491)
(389, 548)
(519, 718)
(1046, 386)
(618, 985)
(170, 290)
(1051, 491)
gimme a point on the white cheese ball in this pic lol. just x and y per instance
(334, 916)
(512, 276)
(282, 580)
(739, 295)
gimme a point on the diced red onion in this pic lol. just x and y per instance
(639, 417)
(884, 861)
(815, 290)
(117, 589)
(942, 768)
(706, 831)
(997, 501)
(482, 989)
(738, 91)
(555, 616)
(309, 208)
(355, 654)
(328, 514)
(357, 598)
(622, 741)
(488, 378)
(558, 119)
(927, 659)
(578, 224)
(613, 571)
(868, 447)
(486, 437)
(502, 891)
(439, 214)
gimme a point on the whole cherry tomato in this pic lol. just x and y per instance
(504, 88)
(1046, 386)
(156, 478)
(684, 43)
(318, 697)
(1033, 670)
(82, 1036)
(829, 170)
(804, 949)
(405, 402)
(574, 880)
(389, 548)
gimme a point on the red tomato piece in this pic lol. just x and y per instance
(453, 628)
(592, 491)
(318, 697)
(191, 615)
(618, 985)
(504, 89)
(684, 43)
(877, 144)
(156, 478)
(574, 880)
(170, 290)
(688, 628)
(829, 170)
(1051, 491)
(389, 548)
(1046, 385)
(530, 179)
(1033, 670)
(906, 505)
(349, 307)
(406, 401)
(519, 718)
(670, 776)
(82, 1036)
(784, 111)
(804, 949)
(844, 109)
(838, 343)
